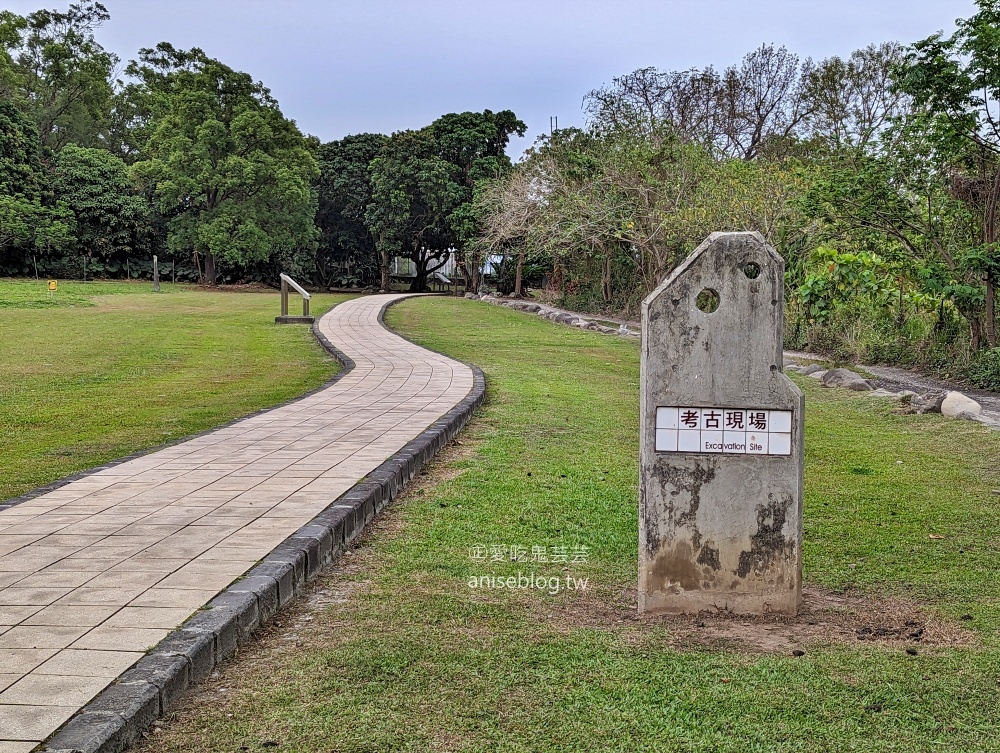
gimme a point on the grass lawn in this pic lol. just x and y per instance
(394, 651)
(105, 369)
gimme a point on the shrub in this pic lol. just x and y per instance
(984, 371)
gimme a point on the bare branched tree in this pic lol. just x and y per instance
(757, 105)
(853, 101)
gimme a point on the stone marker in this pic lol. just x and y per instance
(720, 484)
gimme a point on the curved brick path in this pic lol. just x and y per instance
(99, 570)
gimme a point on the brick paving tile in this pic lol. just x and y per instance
(121, 557)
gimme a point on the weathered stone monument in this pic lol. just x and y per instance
(720, 486)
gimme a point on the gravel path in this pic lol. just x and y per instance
(887, 377)
(896, 379)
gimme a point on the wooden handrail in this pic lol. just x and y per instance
(285, 318)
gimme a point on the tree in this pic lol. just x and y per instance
(852, 101)
(612, 211)
(344, 193)
(763, 102)
(955, 85)
(28, 222)
(95, 186)
(55, 70)
(506, 211)
(21, 170)
(894, 201)
(751, 110)
(643, 101)
(476, 144)
(414, 192)
(230, 173)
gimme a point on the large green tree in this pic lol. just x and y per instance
(955, 85)
(424, 183)
(476, 144)
(346, 245)
(95, 186)
(229, 171)
(29, 220)
(54, 69)
(414, 192)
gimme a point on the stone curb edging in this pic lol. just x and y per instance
(144, 693)
(559, 316)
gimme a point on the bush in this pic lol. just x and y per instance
(984, 371)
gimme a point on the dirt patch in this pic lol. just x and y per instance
(825, 618)
(442, 467)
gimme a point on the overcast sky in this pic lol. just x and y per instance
(347, 66)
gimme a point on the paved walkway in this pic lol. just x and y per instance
(98, 571)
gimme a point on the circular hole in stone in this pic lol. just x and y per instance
(707, 300)
(752, 270)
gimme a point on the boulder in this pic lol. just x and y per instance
(846, 379)
(811, 369)
(816, 374)
(472, 296)
(955, 403)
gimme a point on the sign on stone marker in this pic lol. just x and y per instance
(720, 488)
(728, 430)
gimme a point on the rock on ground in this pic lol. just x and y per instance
(929, 402)
(883, 393)
(846, 379)
(955, 404)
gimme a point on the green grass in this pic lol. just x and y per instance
(413, 659)
(114, 368)
(34, 294)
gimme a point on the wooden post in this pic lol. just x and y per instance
(286, 283)
(156, 274)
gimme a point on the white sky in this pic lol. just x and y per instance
(346, 66)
